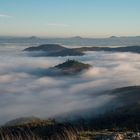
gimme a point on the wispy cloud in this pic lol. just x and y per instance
(5, 16)
(58, 25)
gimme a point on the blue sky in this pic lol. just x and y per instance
(63, 18)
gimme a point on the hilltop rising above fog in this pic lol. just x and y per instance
(58, 50)
(54, 50)
(68, 67)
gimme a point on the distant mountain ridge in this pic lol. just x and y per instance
(133, 49)
(74, 41)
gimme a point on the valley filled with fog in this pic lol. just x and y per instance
(26, 92)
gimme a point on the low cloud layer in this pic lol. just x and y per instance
(4, 16)
(58, 25)
(24, 93)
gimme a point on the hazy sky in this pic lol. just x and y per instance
(88, 18)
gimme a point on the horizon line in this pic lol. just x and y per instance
(82, 37)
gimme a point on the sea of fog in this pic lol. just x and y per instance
(23, 92)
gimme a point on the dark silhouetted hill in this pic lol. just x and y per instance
(69, 67)
(133, 49)
(54, 50)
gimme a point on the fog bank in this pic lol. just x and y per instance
(23, 92)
